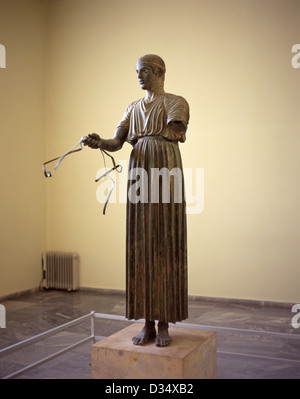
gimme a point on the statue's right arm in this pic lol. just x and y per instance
(93, 140)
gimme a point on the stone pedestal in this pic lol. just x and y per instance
(192, 354)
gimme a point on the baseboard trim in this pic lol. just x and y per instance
(18, 294)
(242, 302)
(103, 291)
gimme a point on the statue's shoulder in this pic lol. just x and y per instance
(173, 101)
(174, 98)
(135, 103)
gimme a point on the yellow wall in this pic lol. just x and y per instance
(22, 149)
(232, 62)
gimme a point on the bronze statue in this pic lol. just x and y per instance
(156, 244)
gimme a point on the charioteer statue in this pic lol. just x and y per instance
(156, 239)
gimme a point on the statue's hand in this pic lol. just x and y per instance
(93, 140)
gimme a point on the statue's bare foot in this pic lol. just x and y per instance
(147, 333)
(163, 338)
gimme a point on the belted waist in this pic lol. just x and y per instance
(157, 137)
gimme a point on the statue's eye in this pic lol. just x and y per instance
(143, 70)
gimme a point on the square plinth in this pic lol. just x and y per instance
(191, 354)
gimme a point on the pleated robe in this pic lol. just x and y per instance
(156, 231)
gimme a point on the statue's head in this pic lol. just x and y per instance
(155, 62)
(151, 70)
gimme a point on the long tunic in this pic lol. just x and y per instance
(156, 240)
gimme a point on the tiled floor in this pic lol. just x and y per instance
(240, 355)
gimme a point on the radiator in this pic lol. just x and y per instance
(60, 270)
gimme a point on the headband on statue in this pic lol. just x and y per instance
(156, 64)
(153, 59)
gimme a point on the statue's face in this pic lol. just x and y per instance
(146, 76)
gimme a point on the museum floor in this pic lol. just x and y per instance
(240, 355)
